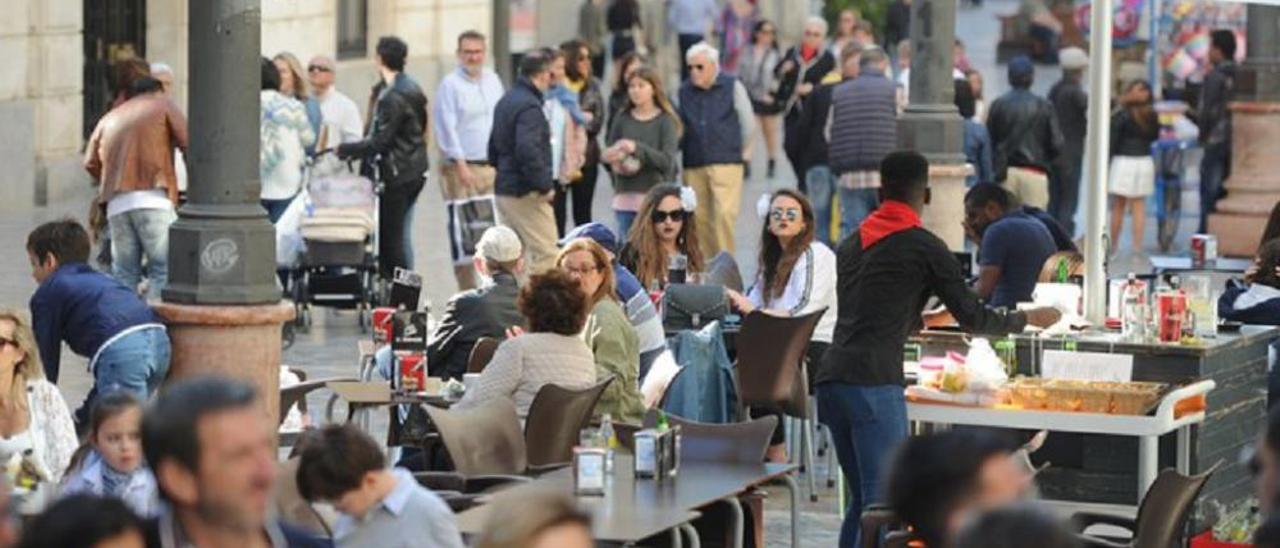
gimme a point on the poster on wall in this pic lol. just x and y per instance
(524, 25)
(1127, 21)
(1183, 47)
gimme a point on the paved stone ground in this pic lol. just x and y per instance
(329, 348)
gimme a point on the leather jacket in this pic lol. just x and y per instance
(470, 315)
(131, 148)
(396, 139)
(1024, 133)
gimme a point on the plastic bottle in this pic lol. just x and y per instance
(610, 439)
(663, 425)
(1134, 310)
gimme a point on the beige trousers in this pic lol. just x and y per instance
(532, 218)
(1031, 187)
(719, 191)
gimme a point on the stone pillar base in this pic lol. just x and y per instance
(945, 212)
(240, 342)
(1254, 186)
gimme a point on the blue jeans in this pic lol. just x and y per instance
(867, 424)
(625, 220)
(855, 205)
(137, 234)
(822, 188)
(136, 363)
(1213, 169)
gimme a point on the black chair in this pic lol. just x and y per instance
(481, 354)
(1162, 515)
(555, 418)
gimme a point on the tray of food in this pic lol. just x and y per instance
(1116, 398)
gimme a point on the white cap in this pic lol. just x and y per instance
(1073, 58)
(499, 243)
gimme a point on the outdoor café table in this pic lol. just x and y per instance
(1147, 429)
(626, 499)
(363, 395)
(1175, 263)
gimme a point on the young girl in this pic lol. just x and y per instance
(110, 462)
(1133, 173)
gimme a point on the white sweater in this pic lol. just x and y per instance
(522, 365)
(811, 287)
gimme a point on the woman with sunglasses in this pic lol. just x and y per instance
(755, 69)
(668, 229)
(33, 416)
(797, 276)
(609, 333)
(643, 141)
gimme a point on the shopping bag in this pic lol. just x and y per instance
(468, 218)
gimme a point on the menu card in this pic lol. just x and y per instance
(1087, 366)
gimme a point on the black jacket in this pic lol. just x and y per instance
(882, 292)
(590, 99)
(520, 143)
(1071, 104)
(864, 122)
(1024, 133)
(897, 24)
(484, 312)
(811, 135)
(801, 72)
(1212, 114)
(1129, 138)
(395, 141)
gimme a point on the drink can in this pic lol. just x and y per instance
(1204, 250)
(413, 371)
(382, 324)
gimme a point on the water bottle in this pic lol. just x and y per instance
(610, 438)
(1134, 310)
(677, 265)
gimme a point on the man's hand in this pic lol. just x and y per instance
(467, 177)
(804, 89)
(1043, 317)
(970, 233)
(514, 331)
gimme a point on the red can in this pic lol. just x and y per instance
(1204, 250)
(1171, 312)
(413, 371)
(382, 324)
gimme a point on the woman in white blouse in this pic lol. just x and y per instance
(33, 415)
(797, 276)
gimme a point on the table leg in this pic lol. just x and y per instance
(790, 482)
(676, 539)
(1184, 450)
(694, 540)
(739, 521)
(1148, 462)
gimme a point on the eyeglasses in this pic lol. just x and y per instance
(675, 216)
(318, 68)
(581, 271)
(791, 214)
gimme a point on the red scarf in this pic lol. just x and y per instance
(807, 52)
(890, 218)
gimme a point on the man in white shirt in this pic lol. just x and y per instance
(464, 118)
(342, 121)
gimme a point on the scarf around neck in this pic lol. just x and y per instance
(890, 218)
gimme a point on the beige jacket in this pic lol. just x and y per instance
(132, 146)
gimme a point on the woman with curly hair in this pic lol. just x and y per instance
(551, 352)
(667, 228)
(797, 276)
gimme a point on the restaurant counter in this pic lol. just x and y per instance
(1102, 469)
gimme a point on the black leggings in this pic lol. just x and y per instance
(583, 192)
(393, 208)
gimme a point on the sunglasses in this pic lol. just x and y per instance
(675, 216)
(791, 214)
(317, 68)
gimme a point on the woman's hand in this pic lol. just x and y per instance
(740, 303)
(514, 331)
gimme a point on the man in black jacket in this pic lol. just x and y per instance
(811, 141)
(485, 312)
(520, 149)
(396, 145)
(1071, 105)
(1214, 120)
(1025, 138)
(886, 270)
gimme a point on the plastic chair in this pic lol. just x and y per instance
(879, 517)
(555, 418)
(1162, 515)
(481, 354)
(485, 445)
(771, 372)
(297, 395)
(736, 442)
(290, 505)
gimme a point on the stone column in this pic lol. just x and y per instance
(222, 291)
(931, 123)
(502, 41)
(1254, 185)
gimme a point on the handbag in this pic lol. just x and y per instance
(469, 217)
(692, 306)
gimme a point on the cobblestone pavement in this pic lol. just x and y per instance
(329, 348)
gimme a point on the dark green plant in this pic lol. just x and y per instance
(873, 11)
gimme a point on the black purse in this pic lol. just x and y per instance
(692, 306)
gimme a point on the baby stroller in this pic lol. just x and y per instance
(338, 266)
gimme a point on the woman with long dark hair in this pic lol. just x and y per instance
(755, 69)
(666, 228)
(1133, 173)
(624, 68)
(797, 275)
(643, 141)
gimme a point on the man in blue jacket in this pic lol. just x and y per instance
(98, 317)
(520, 148)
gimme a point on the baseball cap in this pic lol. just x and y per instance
(595, 231)
(499, 243)
(1073, 58)
(1021, 68)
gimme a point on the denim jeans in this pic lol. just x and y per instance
(867, 424)
(136, 363)
(822, 188)
(625, 220)
(855, 205)
(137, 234)
(1213, 170)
